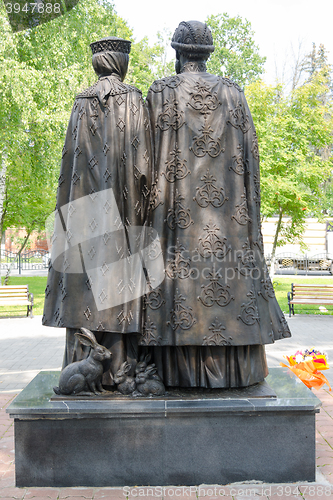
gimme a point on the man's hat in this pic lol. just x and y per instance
(193, 37)
(111, 44)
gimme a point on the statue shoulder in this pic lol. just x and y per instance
(171, 82)
(118, 87)
(112, 87)
(229, 83)
(89, 92)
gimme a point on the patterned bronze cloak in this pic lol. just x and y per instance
(205, 205)
(103, 193)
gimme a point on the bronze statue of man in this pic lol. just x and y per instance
(207, 323)
(102, 203)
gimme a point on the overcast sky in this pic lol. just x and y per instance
(279, 25)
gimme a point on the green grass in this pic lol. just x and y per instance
(37, 285)
(282, 285)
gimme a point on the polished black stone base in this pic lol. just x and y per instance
(121, 441)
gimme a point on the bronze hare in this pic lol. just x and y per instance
(84, 377)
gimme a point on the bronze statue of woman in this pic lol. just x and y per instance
(102, 202)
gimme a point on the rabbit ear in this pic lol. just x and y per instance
(142, 357)
(87, 333)
(128, 368)
(147, 358)
(85, 340)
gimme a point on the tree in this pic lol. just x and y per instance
(292, 130)
(42, 69)
(317, 62)
(147, 64)
(163, 67)
(236, 55)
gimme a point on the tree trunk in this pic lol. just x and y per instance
(278, 227)
(9, 270)
(3, 173)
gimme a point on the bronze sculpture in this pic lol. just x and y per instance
(204, 322)
(102, 203)
(84, 378)
(207, 323)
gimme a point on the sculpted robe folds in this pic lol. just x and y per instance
(207, 322)
(102, 203)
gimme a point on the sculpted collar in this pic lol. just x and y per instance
(194, 67)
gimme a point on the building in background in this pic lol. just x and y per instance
(318, 238)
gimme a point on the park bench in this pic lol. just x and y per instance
(17, 295)
(309, 294)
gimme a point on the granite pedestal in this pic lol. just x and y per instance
(216, 438)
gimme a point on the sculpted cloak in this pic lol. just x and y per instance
(102, 202)
(207, 322)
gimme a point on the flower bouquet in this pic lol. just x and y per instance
(306, 366)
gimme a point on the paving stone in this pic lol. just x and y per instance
(111, 494)
(42, 493)
(77, 493)
(7, 482)
(17, 493)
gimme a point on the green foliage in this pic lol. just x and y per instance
(236, 56)
(42, 69)
(317, 62)
(149, 63)
(163, 67)
(292, 131)
(327, 203)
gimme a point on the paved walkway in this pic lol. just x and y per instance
(27, 347)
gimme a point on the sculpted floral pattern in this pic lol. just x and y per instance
(203, 99)
(180, 266)
(170, 117)
(230, 83)
(256, 180)
(239, 166)
(209, 193)
(172, 82)
(150, 336)
(215, 292)
(242, 215)
(179, 216)
(239, 118)
(246, 266)
(249, 310)
(284, 331)
(206, 144)
(155, 196)
(255, 147)
(176, 168)
(267, 290)
(212, 244)
(181, 316)
(153, 299)
(216, 338)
